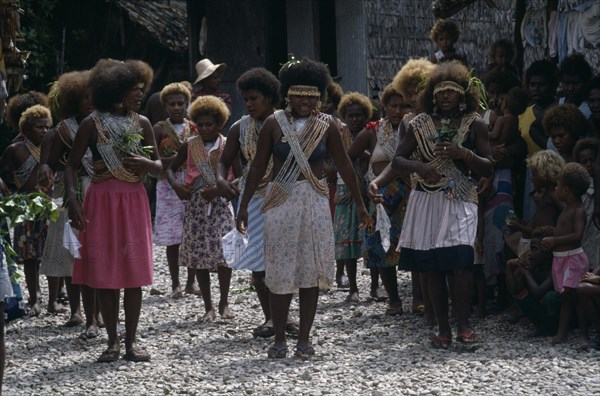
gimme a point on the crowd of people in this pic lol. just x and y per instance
(483, 189)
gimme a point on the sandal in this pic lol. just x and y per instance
(277, 352)
(395, 310)
(441, 341)
(419, 310)
(136, 354)
(304, 352)
(263, 331)
(108, 356)
(466, 337)
(292, 329)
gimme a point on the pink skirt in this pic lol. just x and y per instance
(116, 246)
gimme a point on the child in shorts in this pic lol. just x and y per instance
(570, 262)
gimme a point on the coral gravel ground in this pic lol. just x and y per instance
(359, 351)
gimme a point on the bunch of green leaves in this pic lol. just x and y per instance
(169, 152)
(28, 207)
(128, 143)
(25, 207)
(446, 133)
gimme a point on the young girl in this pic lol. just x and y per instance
(208, 217)
(21, 160)
(564, 124)
(502, 56)
(355, 110)
(445, 34)
(585, 153)
(570, 262)
(170, 135)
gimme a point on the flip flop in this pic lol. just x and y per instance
(393, 311)
(441, 342)
(136, 354)
(304, 351)
(466, 337)
(89, 333)
(263, 331)
(277, 352)
(108, 356)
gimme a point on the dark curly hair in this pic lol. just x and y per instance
(506, 45)
(110, 80)
(575, 65)
(575, 178)
(505, 80)
(444, 25)
(449, 71)
(261, 80)
(517, 100)
(388, 92)
(68, 92)
(304, 72)
(566, 116)
(18, 104)
(334, 93)
(542, 68)
(593, 84)
(586, 144)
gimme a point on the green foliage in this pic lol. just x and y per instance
(28, 207)
(128, 143)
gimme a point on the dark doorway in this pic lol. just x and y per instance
(327, 37)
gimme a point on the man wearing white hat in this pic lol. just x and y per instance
(209, 79)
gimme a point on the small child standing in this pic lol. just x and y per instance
(208, 217)
(570, 262)
(445, 34)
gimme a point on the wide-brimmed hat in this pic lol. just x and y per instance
(205, 68)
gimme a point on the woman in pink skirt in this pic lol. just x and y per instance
(115, 228)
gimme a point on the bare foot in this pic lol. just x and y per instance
(226, 313)
(100, 321)
(558, 339)
(56, 308)
(35, 309)
(209, 317)
(193, 289)
(75, 320)
(176, 293)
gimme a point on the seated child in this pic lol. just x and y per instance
(506, 128)
(564, 124)
(502, 56)
(585, 153)
(570, 262)
(529, 280)
(588, 300)
(545, 167)
(445, 34)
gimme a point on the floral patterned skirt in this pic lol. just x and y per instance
(204, 224)
(299, 250)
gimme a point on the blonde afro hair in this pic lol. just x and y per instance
(412, 74)
(388, 92)
(173, 89)
(34, 113)
(547, 164)
(355, 98)
(211, 106)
